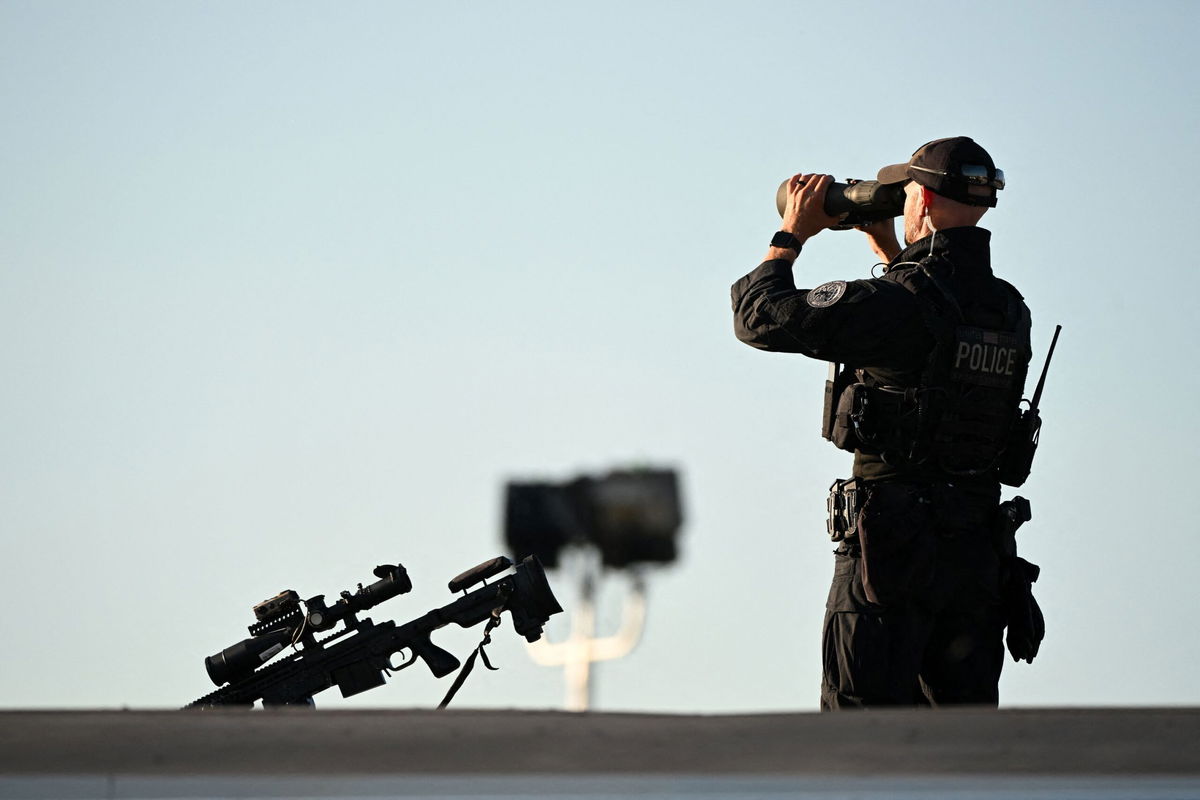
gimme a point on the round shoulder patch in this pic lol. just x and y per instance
(826, 294)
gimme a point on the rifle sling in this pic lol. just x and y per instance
(470, 663)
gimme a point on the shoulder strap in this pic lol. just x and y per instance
(951, 300)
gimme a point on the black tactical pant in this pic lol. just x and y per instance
(914, 616)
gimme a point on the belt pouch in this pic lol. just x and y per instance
(842, 505)
(843, 434)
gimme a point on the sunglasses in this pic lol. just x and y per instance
(976, 174)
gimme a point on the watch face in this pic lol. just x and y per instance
(785, 239)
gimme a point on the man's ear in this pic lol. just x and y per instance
(926, 200)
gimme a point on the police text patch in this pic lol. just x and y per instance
(986, 357)
(826, 294)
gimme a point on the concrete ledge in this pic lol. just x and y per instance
(300, 742)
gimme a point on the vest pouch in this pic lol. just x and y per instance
(885, 419)
(1017, 459)
(840, 377)
(842, 432)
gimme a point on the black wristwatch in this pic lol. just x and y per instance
(785, 240)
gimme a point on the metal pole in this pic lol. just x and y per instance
(578, 665)
(582, 647)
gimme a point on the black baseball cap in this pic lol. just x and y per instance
(957, 168)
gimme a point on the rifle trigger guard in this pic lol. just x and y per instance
(403, 664)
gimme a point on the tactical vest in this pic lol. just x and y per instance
(954, 415)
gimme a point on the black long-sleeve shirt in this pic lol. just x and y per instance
(874, 324)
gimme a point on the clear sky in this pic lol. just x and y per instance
(289, 289)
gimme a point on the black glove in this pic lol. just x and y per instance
(1026, 625)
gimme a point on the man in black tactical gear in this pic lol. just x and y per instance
(935, 354)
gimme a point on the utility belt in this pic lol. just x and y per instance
(950, 510)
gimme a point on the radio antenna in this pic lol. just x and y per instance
(1037, 395)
